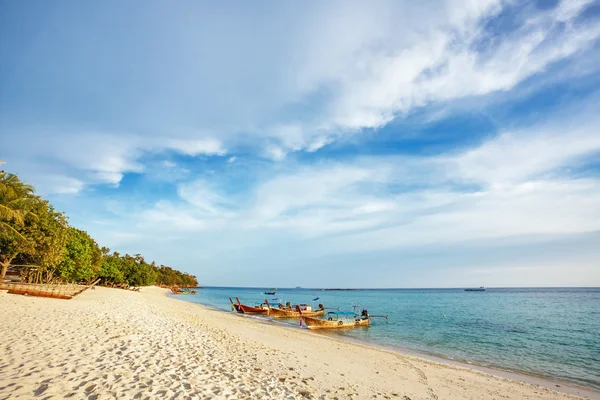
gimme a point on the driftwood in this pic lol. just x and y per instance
(88, 286)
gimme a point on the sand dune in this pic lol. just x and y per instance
(110, 343)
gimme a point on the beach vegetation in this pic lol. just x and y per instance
(82, 257)
(38, 240)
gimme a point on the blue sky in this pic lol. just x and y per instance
(380, 144)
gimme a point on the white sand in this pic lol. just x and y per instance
(111, 343)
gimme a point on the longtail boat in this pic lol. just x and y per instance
(336, 320)
(235, 307)
(252, 310)
(54, 291)
(307, 310)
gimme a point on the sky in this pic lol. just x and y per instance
(317, 144)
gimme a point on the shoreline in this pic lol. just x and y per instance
(557, 384)
(110, 343)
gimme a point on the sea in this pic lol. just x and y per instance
(551, 333)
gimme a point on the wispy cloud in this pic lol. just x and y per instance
(340, 69)
(514, 184)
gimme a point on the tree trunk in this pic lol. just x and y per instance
(5, 262)
(3, 272)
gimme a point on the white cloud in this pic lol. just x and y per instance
(516, 185)
(518, 156)
(340, 68)
(441, 63)
(194, 147)
(92, 158)
(59, 185)
(204, 197)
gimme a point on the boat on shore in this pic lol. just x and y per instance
(337, 320)
(479, 289)
(292, 312)
(261, 309)
(55, 291)
(178, 290)
(235, 306)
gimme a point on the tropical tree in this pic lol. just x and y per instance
(111, 268)
(48, 234)
(82, 257)
(16, 199)
(14, 195)
(33, 232)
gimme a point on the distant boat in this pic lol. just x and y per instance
(272, 291)
(479, 289)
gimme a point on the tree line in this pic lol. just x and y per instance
(39, 241)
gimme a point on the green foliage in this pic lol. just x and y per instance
(48, 233)
(170, 277)
(32, 232)
(15, 196)
(82, 258)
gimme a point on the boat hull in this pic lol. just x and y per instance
(316, 323)
(279, 313)
(54, 291)
(234, 306)
(251, 310)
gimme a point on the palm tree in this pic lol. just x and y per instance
(14, 196)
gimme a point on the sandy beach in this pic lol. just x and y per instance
(111, 343)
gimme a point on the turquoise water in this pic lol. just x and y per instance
(552, 332)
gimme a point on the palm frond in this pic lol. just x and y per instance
(5, 226)
(8, 214)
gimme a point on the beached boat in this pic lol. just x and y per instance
(337, 320)
(178, 290)
(479, 289)
(289, 312)
(46, 290)
(235, 307)
(252, 310)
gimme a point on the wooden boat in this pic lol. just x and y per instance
(290, 312)
(178, 290)
(235, 307)
(272, 291)
(252, 310)
(337, 320)
(65, 292)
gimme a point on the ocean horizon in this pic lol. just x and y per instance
(550, 332)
